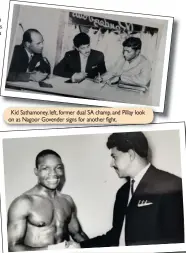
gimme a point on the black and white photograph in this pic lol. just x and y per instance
(104, 187)
(87, 57)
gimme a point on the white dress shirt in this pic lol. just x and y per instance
(83, 60)
(29, 57)
(137, 180)
(83, 63)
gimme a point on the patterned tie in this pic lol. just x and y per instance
(132, 186)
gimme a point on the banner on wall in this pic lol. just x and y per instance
(108, 24)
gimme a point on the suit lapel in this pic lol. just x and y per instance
(143, 186)
(26, 58)
(121, 206)
(78, 61)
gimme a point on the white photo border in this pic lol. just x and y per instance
(85, 101)
(180, 126)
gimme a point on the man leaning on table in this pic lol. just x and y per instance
(132, 68)
(28, 63)
(81, 62)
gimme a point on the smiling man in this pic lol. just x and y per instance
(42, 216)
(81, 62)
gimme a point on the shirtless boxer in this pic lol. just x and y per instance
(42, 216)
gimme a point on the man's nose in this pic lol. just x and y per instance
(52, 173)
(111, 163)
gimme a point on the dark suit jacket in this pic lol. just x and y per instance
(71, 64)
(159, 223)
(20, 63)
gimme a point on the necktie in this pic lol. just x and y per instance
(132, 186)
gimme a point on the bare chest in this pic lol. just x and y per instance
(47, 212)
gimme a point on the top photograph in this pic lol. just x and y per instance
(86, 56)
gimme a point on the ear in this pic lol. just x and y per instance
(131, 154)
(27, 44)
(138, 52)
(36, 171)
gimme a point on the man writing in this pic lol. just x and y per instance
(149, 207)
(81, 62)
(131, 68)
(28, 63)
(42, 216)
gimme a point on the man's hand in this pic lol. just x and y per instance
(78, 77)
(98, 79)
(73, 245)
(38, 76)
(113, 80)
(62, 245)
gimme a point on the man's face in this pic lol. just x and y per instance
(50, 171)
(84, 50)
(121, 162)
(129, 53)
(36, 46)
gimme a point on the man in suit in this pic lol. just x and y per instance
(149, 207)
(81, 62)
(28, 63)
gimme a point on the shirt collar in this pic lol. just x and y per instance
(135, 61)
(29, 54)
(140, 175)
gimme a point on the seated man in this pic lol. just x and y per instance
(81, 62)
(43, 216)
(27, 63)
(132, 68)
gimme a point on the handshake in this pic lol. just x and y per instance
(64, 245)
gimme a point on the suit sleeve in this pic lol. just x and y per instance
(172, 218)
(40, 63)
(62, 68)
(101, 66)
(15, 73)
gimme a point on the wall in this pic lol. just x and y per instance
(89, 179)
(46, 20)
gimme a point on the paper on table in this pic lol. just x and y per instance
(62, 245)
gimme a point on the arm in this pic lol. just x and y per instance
(101, 66)
(62, 68)
(142, 79)
(74, 227)
(17, 225)
(15, 73)
(172, 217)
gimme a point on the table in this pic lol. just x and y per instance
(85, 89)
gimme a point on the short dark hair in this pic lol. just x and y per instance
(129, 140)
(133, 42)
(44, 153)
(81, 39)
(27, 35)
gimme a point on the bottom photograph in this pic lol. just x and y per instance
(93, 187)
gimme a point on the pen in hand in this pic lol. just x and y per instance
(99, 77)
